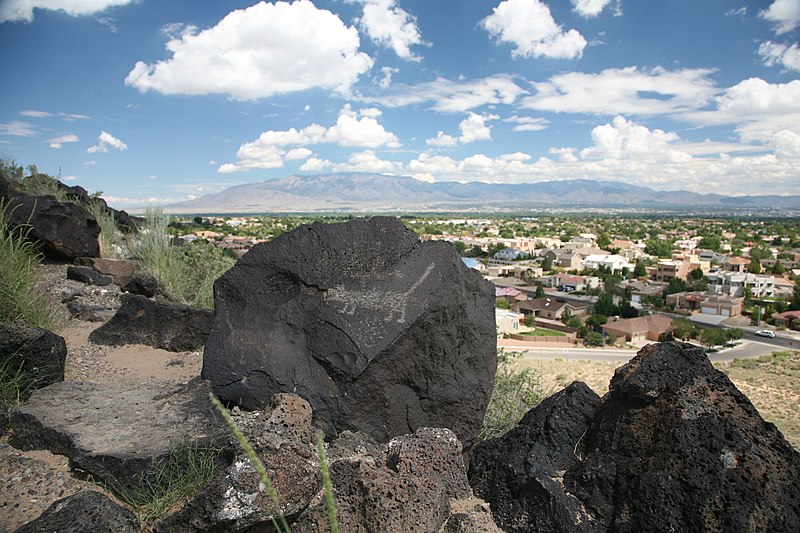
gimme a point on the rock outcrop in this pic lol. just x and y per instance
(673, 446)
(168, 326)
(121, 270)
(117, 432)
(88, 275)
(380, 332)
(85, 511)
(65, 230)
(39, 353)
(142, 284)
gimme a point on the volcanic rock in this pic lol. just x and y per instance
(39, 353)
(65, 230)
(140, 320)
(122, 270)
(85, 511)
(88, 275)
(117, 432)
(408, 488)
(673, 446)
(380, 332)
(142, 284)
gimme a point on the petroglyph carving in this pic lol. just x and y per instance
(392, 303)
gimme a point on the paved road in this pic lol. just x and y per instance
(745, 349)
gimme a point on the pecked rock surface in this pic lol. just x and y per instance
(140, 320)
(673, 446)
(380, 332)
(116, 432)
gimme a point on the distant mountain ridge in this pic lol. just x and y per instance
(365, 192)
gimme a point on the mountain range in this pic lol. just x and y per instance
(374, 193)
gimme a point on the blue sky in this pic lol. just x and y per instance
(153, 102)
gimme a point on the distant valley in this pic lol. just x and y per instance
(376, 193)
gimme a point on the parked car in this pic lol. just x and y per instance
(766, 333)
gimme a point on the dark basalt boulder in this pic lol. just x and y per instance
(85, 511)
(88, 275)
(380, 332)
(673, 446)
(65, 230)
(121, 270)
(142, 284)
(140, 320)
(39, 353)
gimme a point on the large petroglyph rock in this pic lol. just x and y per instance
(380, 332)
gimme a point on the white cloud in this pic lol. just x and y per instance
(367, 161)
(22, 10)
(626, 91)
(105, 141)
(90, 163)
(314, 164)
(352, 128)
(527, 123)
(18, 128)
(592, 8)
(70, 178)
(386, 80)
(35, 113)
(474, 128)
(442, 140)
(58, 142)
(257, 52)
(451, 96)
(622, 139)
(388, 24)
(736, 12)
(530, 27)
(780, 54)
(785, 14)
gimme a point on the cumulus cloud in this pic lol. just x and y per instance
(530, 27)
(105, 141)
(386, 80)
(272, 148)
(442, 140)
(625, 91)
(314, 164)
(257, 52)
(784, 14)
(58, 142)
(779, 54)
(623, 139)
(450, 96)
(474, 128)
(592, 8)
(22, 10)
(388, 24)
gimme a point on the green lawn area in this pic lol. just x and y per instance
(543, 332)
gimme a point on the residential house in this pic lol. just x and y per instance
(567, 259)
(570, 283)
(736, 264)
(507, 321)
(638, 290)
(668, 269)
(784, 287)
(474, 264)
(627, 249)
(510, 294)
(790, 319)
(576, 243)
(639, 329)
(712, 257)
(686, 244)
(734, 284)
(549, 308)
(508, 254)
(612, 262)
(707, 303)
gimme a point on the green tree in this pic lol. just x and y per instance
(711, 242)
(795, 305)
(604, 304)
(696, 274)
(676, 285)
(754, 267)
(640, 270)
(596, 320)
(461, 248)
(778, 269)
(539, 291)
(566, 315)
(594, 339)
(502, 303)
(603, 240)
(658, 248)
(684, 329)
(713, 337)
(547, 264)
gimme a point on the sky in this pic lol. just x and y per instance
(153, 102)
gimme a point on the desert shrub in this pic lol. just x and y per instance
(20, 298)
(16, 384)
(185, 274)
(593, 339)
(112, 242)
(516, 391)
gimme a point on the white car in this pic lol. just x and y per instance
(766, 333)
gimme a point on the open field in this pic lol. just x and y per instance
(771, 382)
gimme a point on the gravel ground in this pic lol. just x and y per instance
(31, 480)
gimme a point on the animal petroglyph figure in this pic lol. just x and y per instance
(393, 303)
